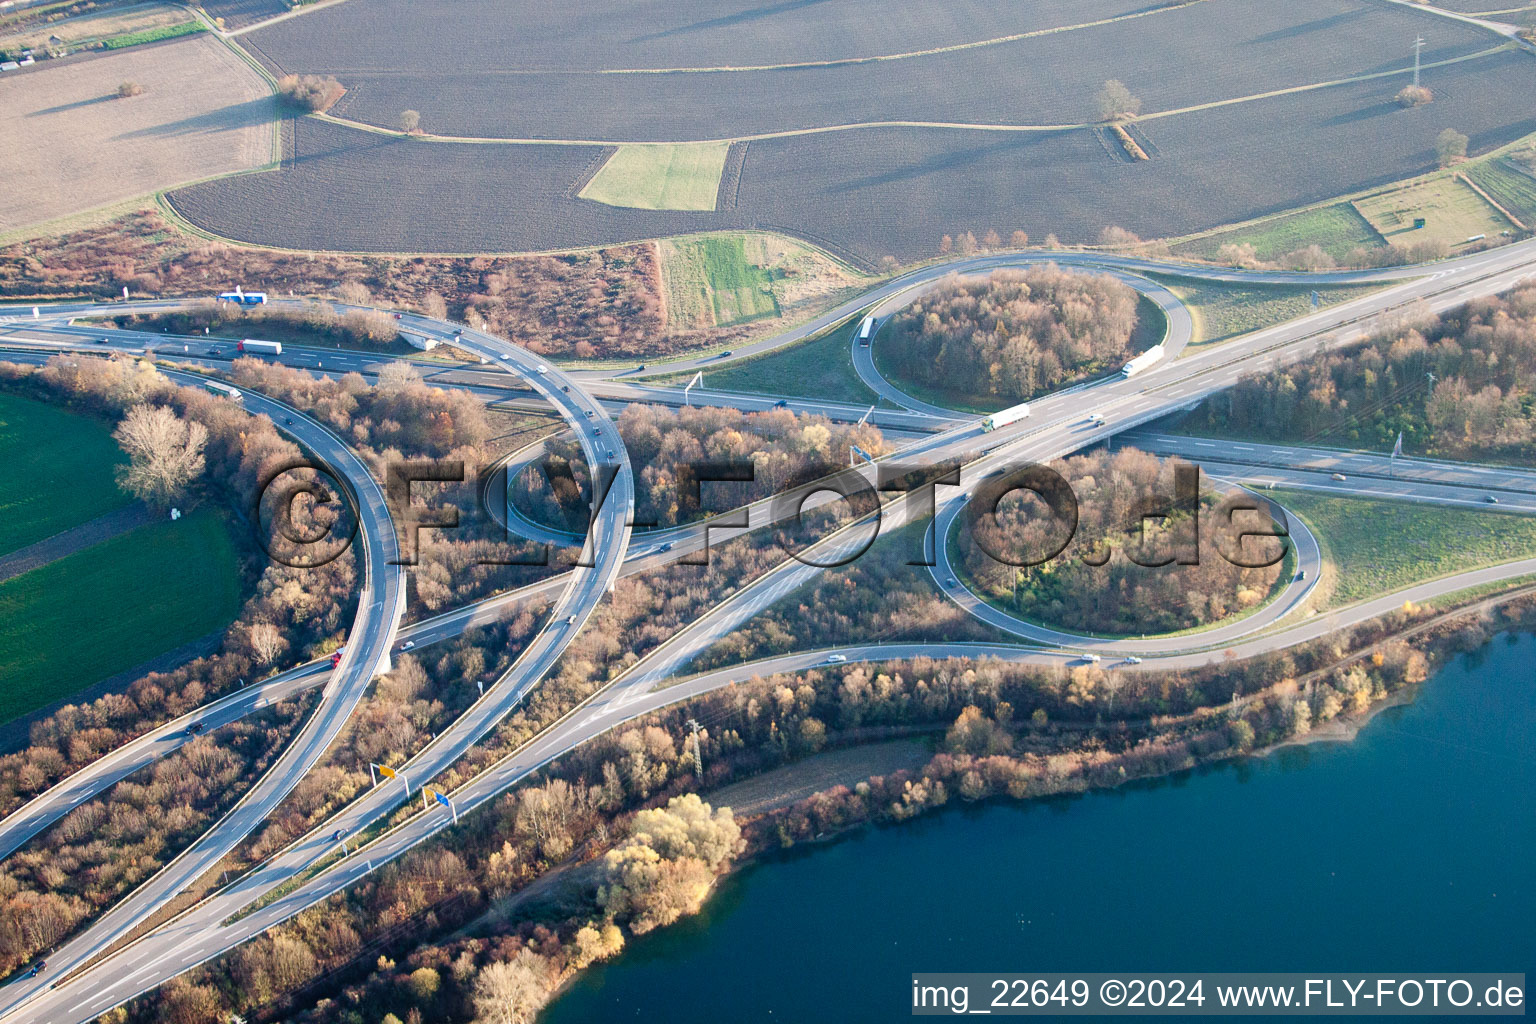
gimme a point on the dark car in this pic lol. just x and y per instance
(399, 316)
(727, 354)
(781, 404)
(37, 968)
(640, 367)
(665, 547)
(213, 351)
(338, 834)
(194, 729)
(102, 341)
(566, 388)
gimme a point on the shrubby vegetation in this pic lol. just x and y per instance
(1479, 404)
(1013, 334)
(309, 94)
(352, 328)
(477, 940)
(83, 862)
(784, 448)
(1108, 578)
(601, 303)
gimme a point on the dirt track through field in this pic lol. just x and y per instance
(62, 545)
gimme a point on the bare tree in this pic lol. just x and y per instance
(434, 305)
(266, 641)
(128, 89)
(512, 991)
(165, 452)
(354, 293)
(410, 121)
(1116, 102)
(397, 376)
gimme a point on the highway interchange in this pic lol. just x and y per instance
(1058, 425)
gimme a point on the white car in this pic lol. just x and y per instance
(1131, 659)
(408, 645)
(1092, 659)
(836, 659)
(541, 369)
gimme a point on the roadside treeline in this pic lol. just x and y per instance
(292, 614)
(664, 445)
(401, 418)
(1480, 402)
(351, 328)
(602, 302)
(457, 930)
(1013, 334)
(1107, 579)
(881, 596)
(421, 696)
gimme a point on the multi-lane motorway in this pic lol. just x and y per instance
(1058, 426)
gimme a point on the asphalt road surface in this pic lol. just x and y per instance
(1056, 427)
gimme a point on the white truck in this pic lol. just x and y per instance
(253, 346)
(1012, 414)
(1143, 361)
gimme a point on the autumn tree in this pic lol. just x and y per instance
(165, 452)
(668, 864)
(1450, 147)
(410, 121)
(309, 93)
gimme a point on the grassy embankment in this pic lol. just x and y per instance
(819, 367)
(660, 176)
(1222, 311)
(1374, 547)
(58, 471)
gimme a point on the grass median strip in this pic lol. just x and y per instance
(1376, 547)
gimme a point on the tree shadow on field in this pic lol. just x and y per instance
(78, 104)
(1364, 114)
(952, 159)
(249, 114)
(1329, 23)
(727, 21)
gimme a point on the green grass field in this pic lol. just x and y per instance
(152, 35)
(1376, 547)
(1452, 212)
(718, 279)
(819, 367)
(1337, 228)
(660, 177)
(58, 471)
(76, 621)
(1510, 188)
(1223, 311)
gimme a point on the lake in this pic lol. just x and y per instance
(1410, 848)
